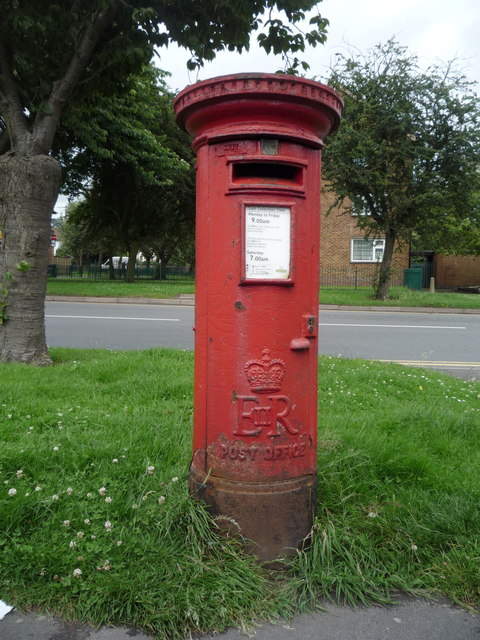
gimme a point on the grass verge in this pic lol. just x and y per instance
(96, 523)
(118, 288)
(399, 297)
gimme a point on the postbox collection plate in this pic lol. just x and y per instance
(267, 242)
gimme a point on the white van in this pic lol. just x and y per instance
(116, 262)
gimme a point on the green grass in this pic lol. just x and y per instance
(398, 495)
(119, 288)
(399, 296)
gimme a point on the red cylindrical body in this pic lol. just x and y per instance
(258, 139)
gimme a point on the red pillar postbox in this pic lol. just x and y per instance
(258, 139)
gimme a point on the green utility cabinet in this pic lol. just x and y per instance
(412, 277)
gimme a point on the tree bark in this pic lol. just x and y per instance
(132, 258)
(385, 271)
(29, 187)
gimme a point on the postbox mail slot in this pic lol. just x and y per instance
(270, 173)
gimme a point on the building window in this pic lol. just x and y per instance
(367, 249)
(360, 210)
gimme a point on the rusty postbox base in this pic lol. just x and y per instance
(274, 517)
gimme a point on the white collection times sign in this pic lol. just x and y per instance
(267, 243)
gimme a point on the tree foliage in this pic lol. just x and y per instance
(140, 190)
(50, 50)
(53, 54)
(407, 153)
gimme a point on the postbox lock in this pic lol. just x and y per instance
(310, 326)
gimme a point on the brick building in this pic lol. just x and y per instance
(347, 258)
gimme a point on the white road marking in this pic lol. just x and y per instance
(387, 326)
(430, 363)
(116, 318)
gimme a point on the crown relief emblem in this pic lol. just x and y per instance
(266, 374)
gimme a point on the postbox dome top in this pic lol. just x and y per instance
(259, 104)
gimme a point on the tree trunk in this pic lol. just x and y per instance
(132, 258)
(29, 187)
(111, 267)
(385, 271)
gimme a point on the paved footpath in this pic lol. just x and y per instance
(410, 619)
(188, 300)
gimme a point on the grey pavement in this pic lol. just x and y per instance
(188, 299)
(409, 619)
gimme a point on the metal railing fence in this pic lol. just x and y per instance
(330, 278)
(354, 278)
(96, 273)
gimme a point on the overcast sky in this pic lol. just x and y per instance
(434, 30)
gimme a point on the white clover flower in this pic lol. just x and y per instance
(55, 497)
(119, 543)
(56, 448)
(77, 573)
(89, 494)
(102, 491)
(38, 488)
(80, 535)
(27, 494)
(115, 460)
(134, 506)
(175, 479)
(69, 491)
(108, 525)
(19, 473)
(66, 523)
(86, 521)
(108, 499)
(150, 469)
(73, 544)
(93, 536)
(12, 492)
(414, 547)
(373, 514)
(161, 500)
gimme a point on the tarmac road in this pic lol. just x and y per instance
(448, 342)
